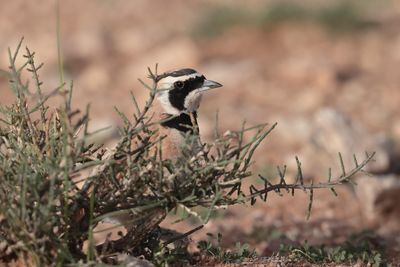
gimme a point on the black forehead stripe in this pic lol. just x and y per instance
(193, 83)
(182, 123)
(182, 72)
(176, 73)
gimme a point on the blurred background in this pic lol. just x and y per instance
(326, 71)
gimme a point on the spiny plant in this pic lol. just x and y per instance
(45, 217)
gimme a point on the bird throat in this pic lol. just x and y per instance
(182, 123)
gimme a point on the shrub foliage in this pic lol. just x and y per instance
(45, 217)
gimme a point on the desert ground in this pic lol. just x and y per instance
(327, 73)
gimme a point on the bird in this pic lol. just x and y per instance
(177, 102)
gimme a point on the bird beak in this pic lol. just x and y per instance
(208, 85)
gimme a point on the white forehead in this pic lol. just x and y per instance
(168, 81)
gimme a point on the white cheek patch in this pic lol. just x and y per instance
(163, 97)
(192, 101)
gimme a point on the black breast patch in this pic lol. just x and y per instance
(182, 123)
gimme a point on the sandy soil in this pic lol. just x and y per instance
(286, 72)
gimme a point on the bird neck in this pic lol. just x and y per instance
(182, 122)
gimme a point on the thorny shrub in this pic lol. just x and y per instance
(44, 153)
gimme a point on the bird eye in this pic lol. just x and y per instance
(179, 84)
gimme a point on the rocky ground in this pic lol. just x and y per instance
(332, 86)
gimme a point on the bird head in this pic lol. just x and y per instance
(181, 90)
